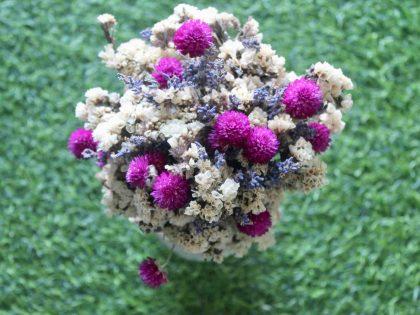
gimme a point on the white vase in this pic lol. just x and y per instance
(179, 250)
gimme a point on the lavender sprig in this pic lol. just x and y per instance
(132, 84)
(206, 112)
(241, 217)
(249, 179)
(202, 153)
(219, 159)
(234, 101)
(276, 170)
(146, 34)
(252, 43)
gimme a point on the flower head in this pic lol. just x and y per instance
(138, 169)
(171, 191)
(321, 140)
(150, 273)
(156, 158)
(137, 172)
(193, 38)
(259, 224)
(165, 69)
(231, 128)
(303, 98)
(80, 140)
(261, 145)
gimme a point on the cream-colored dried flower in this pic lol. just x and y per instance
(332, 119)
(302, 150)
(229, 189)
(331, 80)
(258, 117)
(96, 96)
(347, 103)
(250, 28)
(107, 19)
(281, 123)
(81, 111)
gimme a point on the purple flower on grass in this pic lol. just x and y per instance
(151, 274)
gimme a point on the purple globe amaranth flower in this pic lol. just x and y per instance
(171, 191)
(303, 98)
(231, 128)
(259, 224)
(166, 68)
(138, 169)
(80, 140)
(321, 140)
(137, 172)
(261, 145)
(193, 38)
(151, 274)
(158, 159)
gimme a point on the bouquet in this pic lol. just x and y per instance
(208, 133)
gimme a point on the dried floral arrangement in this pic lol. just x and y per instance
(208, 133)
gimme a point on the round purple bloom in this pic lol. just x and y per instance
(231, 128)
(260, 224)
(138, 168)
(150, 273)
(171, 191)
(166, 68)
(158, 159)
(303, 98)
(261, 145)
(193, 38)
(137, 172)
(80, 140)
(321, 140)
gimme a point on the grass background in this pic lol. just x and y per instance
(350, 248)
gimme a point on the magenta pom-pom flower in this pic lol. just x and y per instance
(259, 224)
(80, 140)
(151, 274)
(321, 139)
(166, 68)
(156, 158)
(171, 191)
(261, 145)
(193, 38)
(138, 168)
(303, 98)
(137, 172)
(231, 128)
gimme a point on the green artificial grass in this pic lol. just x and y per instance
(350, 248)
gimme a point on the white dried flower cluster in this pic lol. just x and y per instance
(171, 109)
(107, 19)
